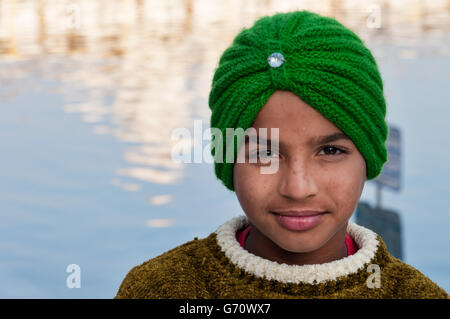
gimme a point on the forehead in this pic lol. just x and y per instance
(293, 117)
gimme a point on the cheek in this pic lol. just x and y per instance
(251, 190)
(345, 187)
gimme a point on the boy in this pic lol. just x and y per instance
(312, 84)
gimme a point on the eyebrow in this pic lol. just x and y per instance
(317, 140)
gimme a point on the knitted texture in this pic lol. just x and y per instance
(326, 65)
(201, 268)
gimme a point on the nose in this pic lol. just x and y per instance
(297, 181)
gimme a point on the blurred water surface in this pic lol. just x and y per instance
(90, 92)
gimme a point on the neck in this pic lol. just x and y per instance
(259, 245)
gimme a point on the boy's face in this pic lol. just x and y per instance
(310, 176)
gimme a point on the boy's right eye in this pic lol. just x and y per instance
(266, 155)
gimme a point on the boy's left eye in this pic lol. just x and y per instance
(333, 150)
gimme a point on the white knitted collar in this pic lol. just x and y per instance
(365, 238)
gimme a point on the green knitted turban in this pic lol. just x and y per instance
(315, 57)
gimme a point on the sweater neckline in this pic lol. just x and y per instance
(242, 234)
(365, 238)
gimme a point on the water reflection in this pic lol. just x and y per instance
(139, 69)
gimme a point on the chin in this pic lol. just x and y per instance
(301, 248)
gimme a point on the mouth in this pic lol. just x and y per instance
(299, 221)
(294, 213)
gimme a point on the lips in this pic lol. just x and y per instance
(299, 221)
(299, 213)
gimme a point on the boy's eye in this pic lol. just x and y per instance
(264, 154)
(333, 150)
(267, 154)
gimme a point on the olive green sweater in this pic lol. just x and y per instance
(218, 267)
